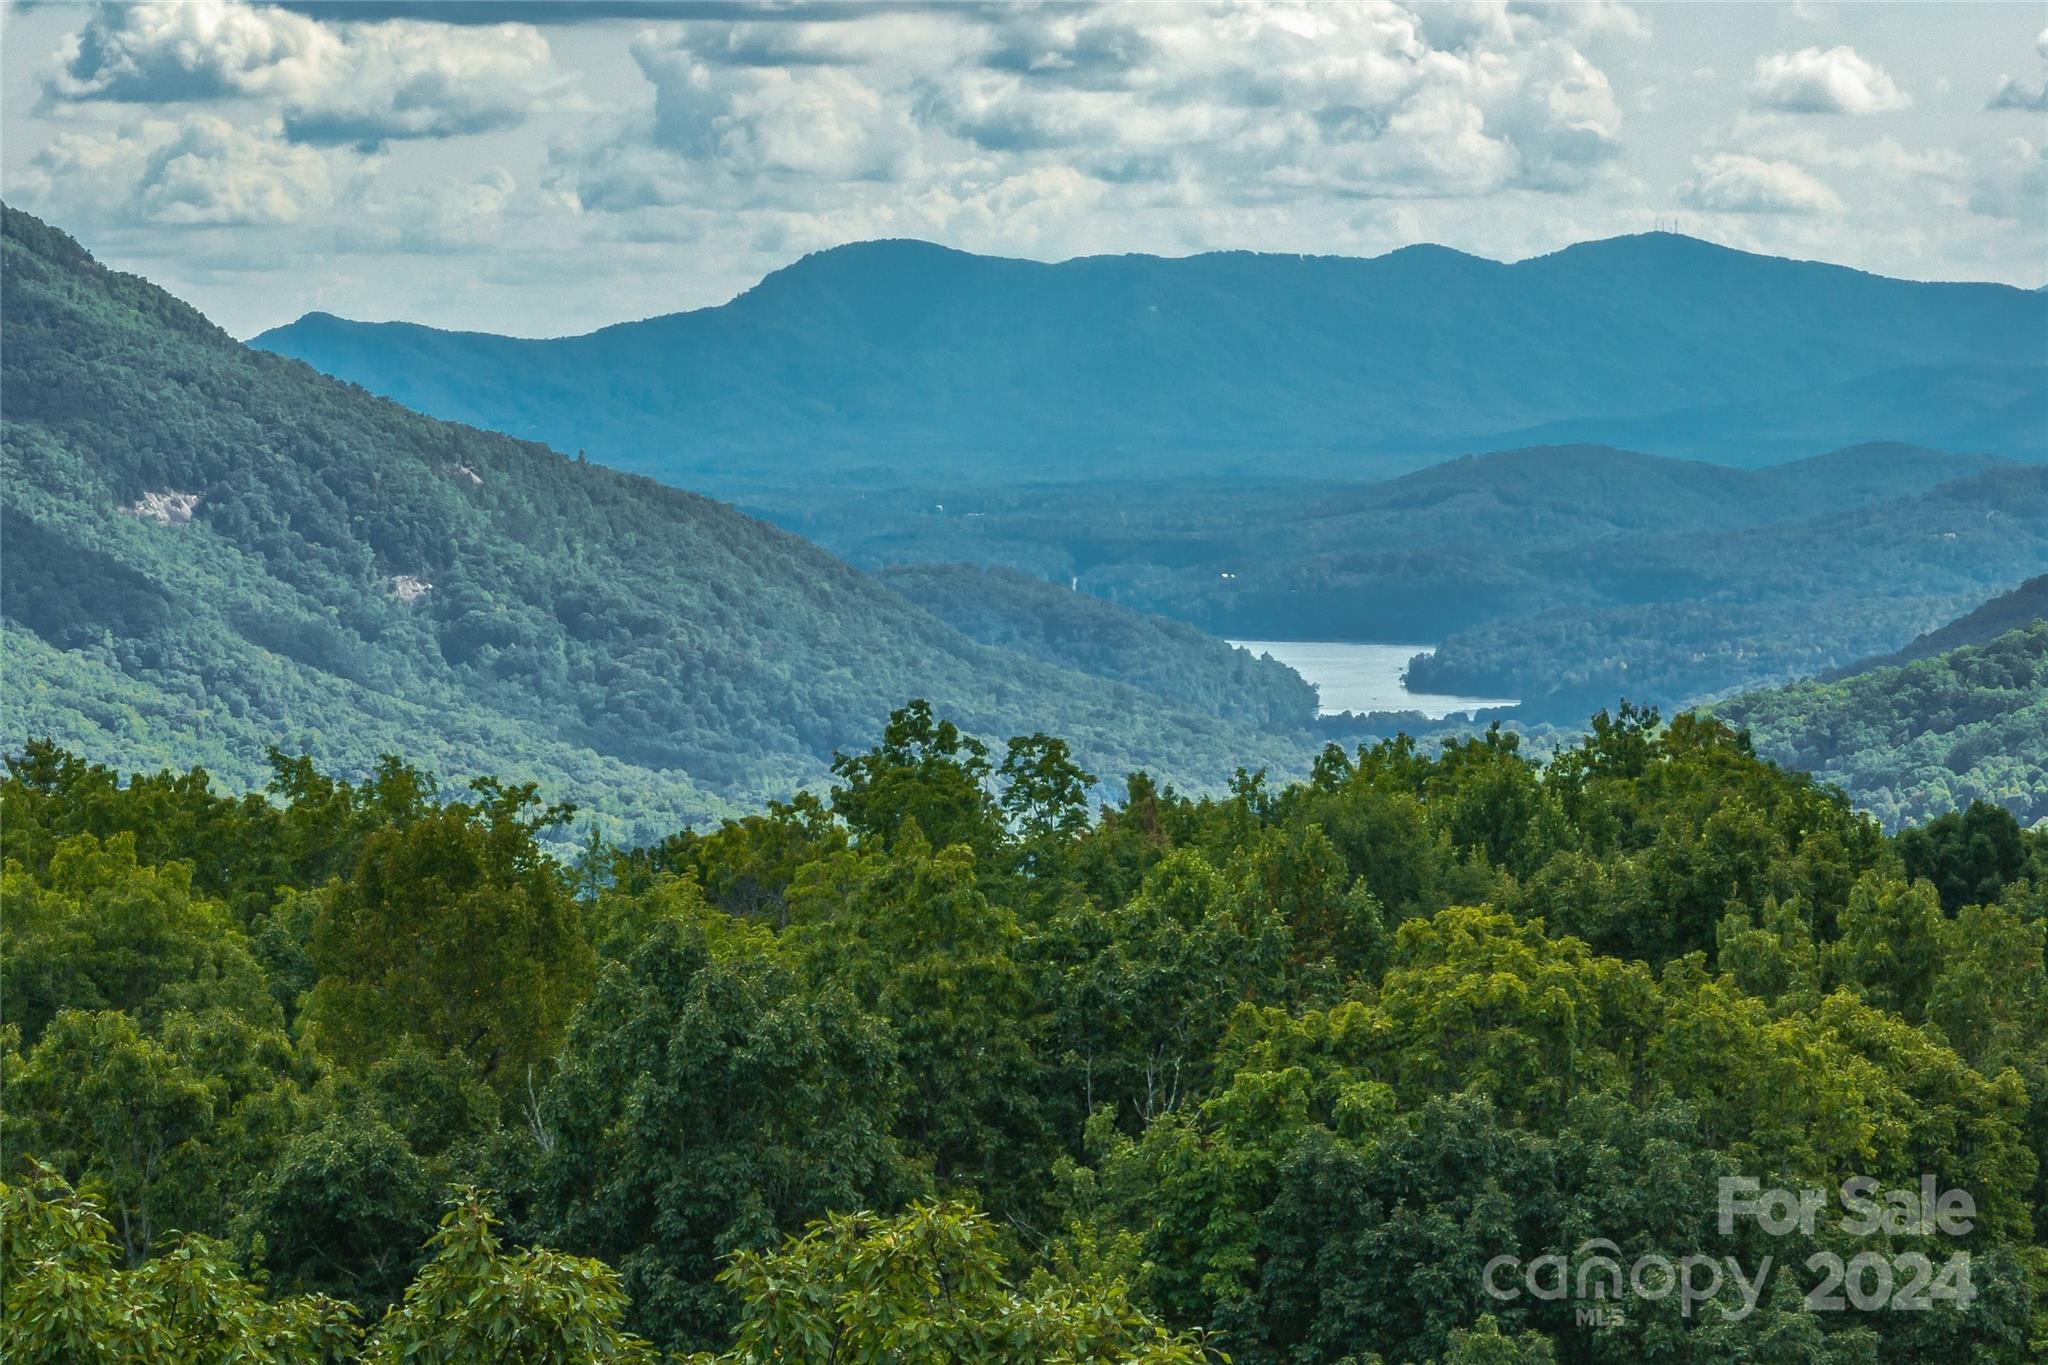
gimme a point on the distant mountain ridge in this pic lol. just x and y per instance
(209, 550)
(910, 359)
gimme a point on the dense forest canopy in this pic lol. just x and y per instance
(208, 550)
(878, 361)
(1929, 736)
(945, 1067)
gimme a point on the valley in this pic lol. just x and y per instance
(346, 579)
(513, 600)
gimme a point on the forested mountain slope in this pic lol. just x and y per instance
(909, 358)
(1685, 616)
(1438, 549)
(1922, 738)
(1566, 575)
(2021, 607)
(1074, 630)
(209, 550)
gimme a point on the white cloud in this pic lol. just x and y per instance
(332, 83)
(1376, 100)
(1838, 80)
(671, 159)
(1734, 182)
(812, 119)
(198, 171)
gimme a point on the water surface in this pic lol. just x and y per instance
(1366, 677)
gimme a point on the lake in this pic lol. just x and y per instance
(1361, 678)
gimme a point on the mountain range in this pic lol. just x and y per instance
(904, 361)
(209, 550)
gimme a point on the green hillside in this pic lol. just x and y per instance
(209, 550)
(1061, 626)
(1921, 739)
(1683, 617)
(2021, 607)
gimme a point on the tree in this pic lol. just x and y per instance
(710, 1099)
(457, 930)
(1889, 949)
(114, 1107)
(926, 772)
(100, 932)
(1969, 855)
(1045, 793)
(344, 1208)
(1141, 992)
(910, 934)
(68, 1299)
(927, 1288)
(476, 1301)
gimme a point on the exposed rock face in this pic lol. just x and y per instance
(475, 479)
(409, 589)
(165, 507)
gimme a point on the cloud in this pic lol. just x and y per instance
(198, 171)
(819, 119)
(2013, 94)
(1234, 104)
(1838, 80)
(332, 83)
(1731, 182)
(2015, 186)
(440, 218)
(471, 12)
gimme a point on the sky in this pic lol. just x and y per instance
(549, 167)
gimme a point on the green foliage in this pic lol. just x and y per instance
(96, 931)
(635, 1165)
(454, 930)
(927, 1288)
(924, 772)
(474, 1300)
(1280, 1071)
(1935, 737)
(1562, 575)
(69, 1300)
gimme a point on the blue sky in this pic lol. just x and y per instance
(550, 167)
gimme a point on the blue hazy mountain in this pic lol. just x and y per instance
(908, 359)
